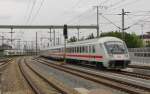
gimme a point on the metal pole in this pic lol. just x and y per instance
(50, 35)
(142, 40)
(58, 41)
(123, 13)
(64, 50)
(18, 46)
(32, 46)
(78, 34)
(97, 21)
(36, 43)
(2, 41)
(142, 26)
(54, 37)
(11, 35)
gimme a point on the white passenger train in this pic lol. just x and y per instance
(108, 52)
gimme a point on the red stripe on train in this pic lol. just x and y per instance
(76, 55)
(85, 56)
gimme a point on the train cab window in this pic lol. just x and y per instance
(93, 49)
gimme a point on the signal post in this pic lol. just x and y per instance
(65, 33)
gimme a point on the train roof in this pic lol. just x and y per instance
(97, 40)
(90, 41)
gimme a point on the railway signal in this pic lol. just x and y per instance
(65, 31)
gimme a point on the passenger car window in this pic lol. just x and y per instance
(93, 49)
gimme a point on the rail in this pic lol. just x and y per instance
(121, 85)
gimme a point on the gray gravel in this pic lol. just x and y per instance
(126, 78)
(71, 80)
(142, 71)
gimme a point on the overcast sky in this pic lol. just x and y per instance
(59, 12)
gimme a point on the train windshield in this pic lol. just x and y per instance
(115, 47)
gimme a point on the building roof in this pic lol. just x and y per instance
(145, 36)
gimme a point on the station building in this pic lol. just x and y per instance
(146, 39)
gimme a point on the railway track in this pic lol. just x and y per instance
(111, 82)
(132, 74)
(140, 67)
(60, 87)
(4, 63)
(28, 79)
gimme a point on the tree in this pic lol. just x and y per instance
(148, 45)
(131, 40)
(72, 39)
(91, 36)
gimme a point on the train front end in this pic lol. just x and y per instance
(117, 53)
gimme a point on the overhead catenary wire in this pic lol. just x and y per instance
(110, 22)
(38, 10)
(137, 22)
(104, 2)
(78, 16)
(31, 11)
(76, 4)
(120, 4)
(27, 9)
(85, 17)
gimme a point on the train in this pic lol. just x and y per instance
(104, 52)
(12, 52)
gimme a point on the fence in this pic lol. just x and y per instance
(140, 55)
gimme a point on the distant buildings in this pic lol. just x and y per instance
(5, 47)
(146, 39)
